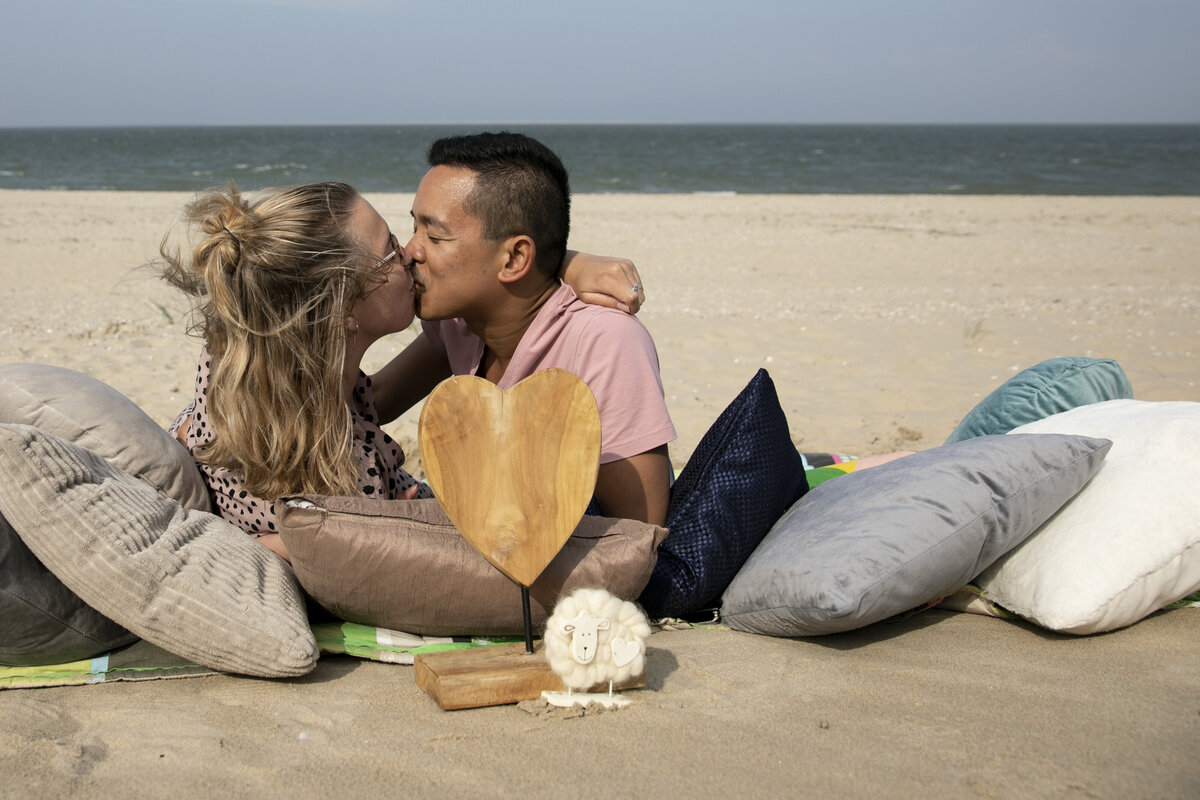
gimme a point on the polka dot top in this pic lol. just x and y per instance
(379, 456)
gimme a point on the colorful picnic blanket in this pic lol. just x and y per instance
(142, 661)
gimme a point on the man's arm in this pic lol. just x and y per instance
(408, 378)
(638, 487)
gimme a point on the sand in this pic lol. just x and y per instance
(882, 321)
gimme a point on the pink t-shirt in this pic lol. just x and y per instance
(610, 350)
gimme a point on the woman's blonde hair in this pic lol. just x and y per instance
(273, 282)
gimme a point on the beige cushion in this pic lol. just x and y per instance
(1129, 543)
(185, 580)
(92, 414)
(401, 564)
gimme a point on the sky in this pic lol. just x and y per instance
(241, 62)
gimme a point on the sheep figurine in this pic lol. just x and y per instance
(594, 637)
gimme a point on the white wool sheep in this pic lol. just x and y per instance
(594, 637)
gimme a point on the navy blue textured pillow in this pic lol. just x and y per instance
(742, 477)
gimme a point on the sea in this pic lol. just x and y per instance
(642, 159)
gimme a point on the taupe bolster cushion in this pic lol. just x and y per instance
(402, 565)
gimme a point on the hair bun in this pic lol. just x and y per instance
(226, 221)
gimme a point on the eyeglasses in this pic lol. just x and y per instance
(393, 243)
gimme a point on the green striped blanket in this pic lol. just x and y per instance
(143, 661)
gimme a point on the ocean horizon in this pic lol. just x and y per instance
(630, 158)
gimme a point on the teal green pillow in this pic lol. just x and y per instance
(1043, 390)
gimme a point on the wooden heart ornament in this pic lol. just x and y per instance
(514, 470)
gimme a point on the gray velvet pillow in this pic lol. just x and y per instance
(41, 620)
(92, 414)
(184, 580)
(879, 542)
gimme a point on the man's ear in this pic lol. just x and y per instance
(522, 253)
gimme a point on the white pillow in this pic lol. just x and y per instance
(1129, 543)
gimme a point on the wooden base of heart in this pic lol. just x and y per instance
(492, 676)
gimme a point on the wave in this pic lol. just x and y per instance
(286, 168)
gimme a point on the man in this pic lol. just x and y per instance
(490, 225)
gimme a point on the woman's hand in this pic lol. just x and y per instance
(274, 543)
(604, 281)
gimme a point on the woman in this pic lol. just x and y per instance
(291, 290)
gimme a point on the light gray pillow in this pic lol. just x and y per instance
(92, 414)
(184, 580)
(876, 543)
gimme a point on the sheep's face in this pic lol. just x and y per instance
(583, 631)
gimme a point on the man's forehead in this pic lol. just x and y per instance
(443, 191)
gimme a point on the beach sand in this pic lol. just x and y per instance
(882, 320)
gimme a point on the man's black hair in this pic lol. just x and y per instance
(520, 188)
